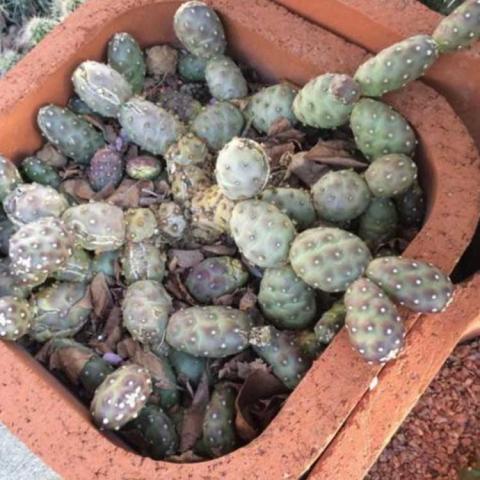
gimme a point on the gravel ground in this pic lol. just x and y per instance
(442, 433)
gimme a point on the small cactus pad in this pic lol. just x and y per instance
(105, 169)
(242, 169)
(186, 181)
(411, 206)
(187, 367)
(15, 318)
(391, 175)
(36, 170)
(379, 222)
(217, 124)
(218, 423)
(7, 229)
(214, 277)
(146, 307)
(150, 127)
(340, 195)
(191, 67)
(96, 226)
(171, 221)
(101, 87)
(329, 258)
(126, 57)
(374, 327)
(326, 101)
(280, 350)
(142, 261)
(270, 105)
(397, 65)
(460, 28)
(38, 249)
(379, 129)
(9, 177)
(294, 202)
(31, 201)
(417, 285)
(106, 263)
(286, 300)
(213, 332)
(61, 310)
(9, 285)
(224, 79)
(189, 150)
(330, 323)
(71, 134)
(77, 268)
(161, 60)
(199, 29)
(121, 397)
(262, 233)
(143, 167)
(141, 224)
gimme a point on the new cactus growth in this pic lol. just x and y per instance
(262, 233)
(199, 29)
(70, 133)
(9, 177)
(340, 196)
(15, 318)
(379, 129)
(326, 101)
(142, 261)
(213, 332)
(397, 65)
(214, 277)
(143, 167)
(121, 397)
(417, 285)
(242, 169)
(330, 323)
(286, 300)
(374, 327)
(191, 67)
(35, 170)
(329, 258)
(224, 79)
(105, 169)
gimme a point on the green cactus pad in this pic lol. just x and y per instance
(9, 177)
(262, 233)
(35, 170)
(192, 68)
(189, 150)
(106, 263)
(213, 332)
(329, 258)
(77, 268)
(9, 285)
(7, 229)
(286, 300)
(379, 129)
(141, 224)
(94, 373)
(142, 261)
(330, 323)
(143, 167)
(224, 78)
(411, 206)
(417, 285)
(187, 367)
(15, 318)
(379, 222)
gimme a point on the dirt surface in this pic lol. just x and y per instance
(441, 435)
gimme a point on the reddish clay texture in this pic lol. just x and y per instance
(282, 46)
(376, 24)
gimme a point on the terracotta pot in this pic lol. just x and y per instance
(56, 426)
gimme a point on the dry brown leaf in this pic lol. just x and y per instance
(307, 171)
(77, 188)
(111, 333)
(128, 193)
(174, 285)
(183, 259)
(102, 299)
(219, 249)
(248, 301)
(186, 457)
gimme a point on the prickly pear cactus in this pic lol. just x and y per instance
(217, 124)
(330, 323)
(189, 150)
(213, 332)
(286, 300)
(329, 258)
(9, 285)
(161, 61)
(71, 134)
(242, 169)
(9, 177)
(214, 277)
(171, 221)
(224, 78)
(31, 201)
(101, 87)
(326, 101)
(470, 473)
(379, 129)
(38, 249)
(417, 285)
(186, 181)
(460, 28)
(218, 428)
(7, 229)
(61, 310)
(270, 105)
(262, 233)
(152, 433)
(121, 397)
(187, 367)
(397, 65)
(294, 202)
(280, 350)
(199, 29)
(145, 308)
(391, 175)
(96, 226)
(35, 170)
(191, 67)
(411, 206)
(77, 268)
(15, 318)
(374, 327)
(141, 224)
(379, 222)
(126, 57)
(106, 263)
(105, 169)
(143, 167)
(340, 195)
(142, 261)
(150, 127)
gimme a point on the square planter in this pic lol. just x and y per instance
(45, 416)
